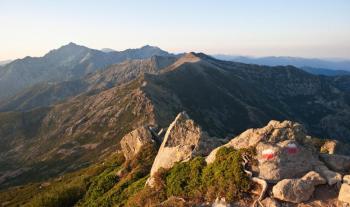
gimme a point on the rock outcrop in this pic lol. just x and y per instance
(133, 141)
(344, 193)
(331, 176)
(280, 148)
(284, 153)
(183, 140)
(297, 190)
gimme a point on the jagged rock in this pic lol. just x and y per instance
(133, 141)
(330, 147)
(331, 176)
(183, 140)
(297, 190)
(336, 162)
(270, 202)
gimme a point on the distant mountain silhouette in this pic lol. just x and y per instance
(294, 61)
(4, 62)
(66, 63)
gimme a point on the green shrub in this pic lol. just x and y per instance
(225, 177)
(107, 190)
(58, 197)
(101, 185)
(184, 179)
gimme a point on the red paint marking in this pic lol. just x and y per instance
(268, 154)
(292, 149)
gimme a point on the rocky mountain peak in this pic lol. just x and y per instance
(150, 47)
(186, 58)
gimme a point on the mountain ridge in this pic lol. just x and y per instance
(224, 98)
(68, 62)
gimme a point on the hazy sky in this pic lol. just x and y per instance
(307, 28)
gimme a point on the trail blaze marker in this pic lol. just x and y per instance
(268, 154)
(292, 149)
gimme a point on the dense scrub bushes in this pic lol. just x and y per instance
(108, 189)
(225, 177)
(123, 184)
(197, 182)
(60, 196)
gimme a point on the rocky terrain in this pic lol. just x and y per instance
(281, 163)
(164, 129)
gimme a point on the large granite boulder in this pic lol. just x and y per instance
(297, 190)
(285, 159)
(280, 148)
(183, 140)
(132, 142)
(273, 132)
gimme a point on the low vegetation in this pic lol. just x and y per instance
(198, 182)
(116, 182)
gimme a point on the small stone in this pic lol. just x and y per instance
(293, 190)
(270, 202)
(344, 193)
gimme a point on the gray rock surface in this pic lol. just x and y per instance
(297, 190)
(331, 176)
(273, 132)
(183, 140)
(336, 162)
(280, 150)
(133, 142)
(284, 164)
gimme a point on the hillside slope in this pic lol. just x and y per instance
(224, 98)
(45, 94)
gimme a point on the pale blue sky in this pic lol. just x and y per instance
(306, 28)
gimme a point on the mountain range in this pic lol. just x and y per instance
(311, 65)
(66, 63)
(69, 109)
